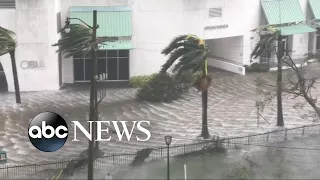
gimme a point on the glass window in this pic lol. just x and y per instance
(112, 68)
(88, 69)
(78, 69)
(123, 53)
(101, 54)
(123, 68)
(102, 66)
(112, 53)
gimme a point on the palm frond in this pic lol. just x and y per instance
(195, 64)
(265, 44)
(173, 44)
(173, 57)
(185, 59)
(190, 50)
(7, 41)
(78, 41)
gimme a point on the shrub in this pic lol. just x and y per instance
(161, 88)
(256, 67)
(164, 87)
(140, 81)
(312, 55)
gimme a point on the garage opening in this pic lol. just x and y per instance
(226, 54)
(3, 80)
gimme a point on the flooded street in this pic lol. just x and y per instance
(231, 112)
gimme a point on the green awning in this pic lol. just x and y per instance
(116, 45)
(282, 11)
(295, 29)
(315, 8)
(112, 21)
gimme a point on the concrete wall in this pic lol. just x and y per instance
(7, 20)
(39, 32)
(196, 17)
(155, 24)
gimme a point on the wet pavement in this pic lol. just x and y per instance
(231, 112)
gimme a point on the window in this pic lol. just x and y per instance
(215, 12)
(113, 63)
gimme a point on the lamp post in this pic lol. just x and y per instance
(168, 140)
(93, 88)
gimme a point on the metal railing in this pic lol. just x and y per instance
(8, 172)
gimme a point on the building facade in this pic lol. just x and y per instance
(144, 28)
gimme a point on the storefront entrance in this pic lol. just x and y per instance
(113, 63)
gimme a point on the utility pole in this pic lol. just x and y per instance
(280, 55)
(93, 97)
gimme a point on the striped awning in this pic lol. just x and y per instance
(282, 11)
(295, 29)
(113, 22)
(315, 8)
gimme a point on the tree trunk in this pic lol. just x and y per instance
(205, 131)
(312, 104)
(279, 83)
(96, 146)
(15, 76)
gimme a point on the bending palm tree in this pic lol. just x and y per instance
(268, 44)
(8, 45)
(78, 41)
(191, 52)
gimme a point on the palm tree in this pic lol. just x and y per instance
(191, 53)
(268, 44)
(8, 44)
(78, 41)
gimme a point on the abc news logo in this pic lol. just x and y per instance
(48, 131)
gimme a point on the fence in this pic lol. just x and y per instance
(159, 153)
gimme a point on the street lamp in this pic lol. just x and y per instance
(93, 88)
(168, 140)
(67, 27)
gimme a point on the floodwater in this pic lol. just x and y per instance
(268, 163)
(296, 159)
(231, 112)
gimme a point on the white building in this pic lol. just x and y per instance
(151, 24)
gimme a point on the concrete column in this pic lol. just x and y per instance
(37, 61)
